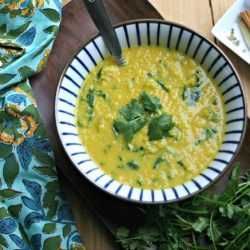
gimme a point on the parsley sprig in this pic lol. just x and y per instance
(136, 114)
(204, 222)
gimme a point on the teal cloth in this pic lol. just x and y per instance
(33, 212)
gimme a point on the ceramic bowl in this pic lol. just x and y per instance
(160, 33)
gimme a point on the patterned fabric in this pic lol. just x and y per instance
(33, 211)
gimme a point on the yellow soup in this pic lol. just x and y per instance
(153, 124)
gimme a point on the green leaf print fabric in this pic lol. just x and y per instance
(33, 211)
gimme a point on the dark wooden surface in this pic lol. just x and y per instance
(75, 30)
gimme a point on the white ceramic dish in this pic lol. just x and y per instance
(174, 36)
(228, 21)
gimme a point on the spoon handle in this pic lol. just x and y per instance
(102, 21)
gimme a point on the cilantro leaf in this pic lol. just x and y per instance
(198, 77)
(124, 127)
(132, 110)
(128, 128)
(159, 82)
(162, 85)
(148, 234)
(206, 134)
(200, 224)
(149, 102)
(133, 165)
(122, 233)
(101, 94)
(181, 163)
(132, 120)
(227, 211)
(210, 133)
(99, 74)
(138, 123)
(232, 185)
(91, 98)
(158, 161)
(191, 95)
(213, 232)
(159, 127)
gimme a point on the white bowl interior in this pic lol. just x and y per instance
(174, 37)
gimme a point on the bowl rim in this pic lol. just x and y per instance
(219, 50)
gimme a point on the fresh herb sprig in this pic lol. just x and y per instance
(136, 114)
(132, 120)
(204, 222)
(160, 126)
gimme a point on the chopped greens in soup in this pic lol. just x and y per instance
(155, 123)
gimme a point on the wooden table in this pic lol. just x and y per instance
(97, 213)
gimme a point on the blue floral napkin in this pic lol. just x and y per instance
(33, 211)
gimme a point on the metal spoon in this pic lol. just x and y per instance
(102, 21)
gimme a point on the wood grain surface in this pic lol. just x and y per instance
(65, 2)
(188, 13)
(97, 214)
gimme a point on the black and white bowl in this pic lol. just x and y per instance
(160, 33)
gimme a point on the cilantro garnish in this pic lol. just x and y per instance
(99, 74)
(150, 103)
(198, 77)
(133, 165)
(191, 95)
(162, 85)
(132, 120)
(159, 82)
(181, 163)
(91, 98)
(128, 128)
(100, 93)
(158, 162)
(192, 90)
(159, 127)
(132, 110)
(136, 114)
(206, 134)
(90, 101)
(210, 132)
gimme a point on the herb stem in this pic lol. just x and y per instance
(194, 240)
(211, 229)
(128, 239)
(185, 221)
(221, 203)
(194, 247)
(240, 191)
(199, 212)
(237, 237)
